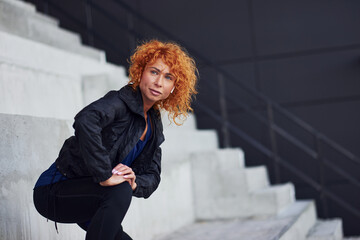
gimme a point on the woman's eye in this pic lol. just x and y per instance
(169, 77)
(154, 72)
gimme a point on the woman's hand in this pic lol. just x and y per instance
(126, 173)
(113, 180)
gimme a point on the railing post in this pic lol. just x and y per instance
(223, 109)
(321, 165)
(273, 143)
(89, 22)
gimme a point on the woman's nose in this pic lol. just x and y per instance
(159, 80)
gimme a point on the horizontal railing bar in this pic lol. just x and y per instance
(342, 203)
(318, 187)
(285, 164)
(300, 174)
(340, 149)
(246, 137)
(306, 127)
(302, 124)
(295, 141)
(235, 130)
(341, 172)
(277, 129)
(309, 128)
(325, 139)
(295, 119)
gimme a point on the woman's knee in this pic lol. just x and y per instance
(120, 194)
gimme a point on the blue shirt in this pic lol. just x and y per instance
(135, 152)
(52, 175)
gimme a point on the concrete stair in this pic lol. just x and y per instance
(30, 9)
(292, 223)
(326, 230)
(301, 217)
(40, 80)
(21, 19)
(296, 222)
(272, 199)
(233, 191)
(46, 76)
(186, 138)
(256, 178)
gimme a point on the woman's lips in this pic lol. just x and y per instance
(154, 92)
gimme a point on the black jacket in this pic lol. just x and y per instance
(105, 132)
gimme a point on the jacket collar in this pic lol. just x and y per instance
(132, 99)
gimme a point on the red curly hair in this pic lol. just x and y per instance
(181, 65)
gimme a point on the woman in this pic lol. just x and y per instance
(115, 153)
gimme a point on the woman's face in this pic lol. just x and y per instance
(156, 82)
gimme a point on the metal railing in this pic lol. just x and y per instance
(264, 105)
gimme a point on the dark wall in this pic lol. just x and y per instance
(302, 54)
(305, 55)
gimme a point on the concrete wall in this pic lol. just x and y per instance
(27, 146)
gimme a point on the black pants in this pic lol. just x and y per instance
(81, 200)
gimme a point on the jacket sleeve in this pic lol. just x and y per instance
(148, 182)
(88, 126)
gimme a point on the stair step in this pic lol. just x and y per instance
(219, 184)
(20, 4)
(38, 70)
(225, 158)
(301, 217)
(256, 178)
(35, 93)
(22, 51)
(250, 229)
(46, 18)
(30, 9)
(228, 196)
(326, 230)
(186, 141)
(21, 20)
(52, 35)
(271, 200)
(22, 23)
(189, 123)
